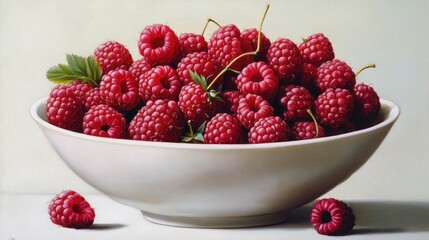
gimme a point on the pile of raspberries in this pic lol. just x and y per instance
(189, 89)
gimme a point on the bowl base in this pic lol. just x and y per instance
(217, 222)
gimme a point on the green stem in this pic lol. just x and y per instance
(207, 23)
(243, 54)
(367, 66)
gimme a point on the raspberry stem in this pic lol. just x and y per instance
(207, 23)
(366, 67)
(315, 122)
(243, 54)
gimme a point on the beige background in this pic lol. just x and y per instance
(35, 35)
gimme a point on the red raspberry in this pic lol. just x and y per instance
(367, 104)
(334, 107)
(195, 104)
(69, 209)
(161, 82)
(335, 74)
(332, 217)
(191, 42)
(104, 121)
(295, 101)
(112, 55)
(307, 130)
(316, 49)
(138, 68)
(307, 77)
(63, 109)
(119, 90)
(258, 78)
(252, 35)
(231, 99)
(251, 108)
(284, 58)
(159, 44)
(93, 98)
(160, 121)
(269, 129)
(226, 44)
(223, 128)
(80, 89)
(201, 63)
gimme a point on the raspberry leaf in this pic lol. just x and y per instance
(198, 79)
(78, 68)
(194, 137)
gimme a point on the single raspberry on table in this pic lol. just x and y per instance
(139, 67)
(192, 42)
(367, 104)
(69, 209)
(200, 63)
(161, 82)
(334, 107)
(316, 49)
(113, 55)
(332, 217)
(226, 44)
(252, 35)
(251, 108)
(104, 121)
(269, 129)
(93, 98)
(64, 109)
(230, 101)
(335, 74)
(307, 130)
(223, 128)
(294, 101)
(119, 90)
(159, 44)
(258, 78)
(284, 58)
(159, 120)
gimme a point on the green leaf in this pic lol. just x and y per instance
(199, 137)
(198, 79)
(77, 68)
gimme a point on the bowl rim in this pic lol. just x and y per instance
(391, 117)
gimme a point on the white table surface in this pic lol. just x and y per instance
(24, 216)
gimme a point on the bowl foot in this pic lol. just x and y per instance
(217, 222)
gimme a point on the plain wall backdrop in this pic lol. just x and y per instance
(35, 35)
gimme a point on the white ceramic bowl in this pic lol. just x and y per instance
(202, 185)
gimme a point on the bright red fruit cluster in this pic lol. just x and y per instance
(184, 88)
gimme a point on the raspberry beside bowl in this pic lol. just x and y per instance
(211, 185)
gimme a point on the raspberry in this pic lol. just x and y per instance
(269, 129)
(161, 82)
(307, 77)
(258, 78)
(104, 121)
(367, 104)
(332, 217)
(252, 35)
(80, 89)
(334, 107)
(159, 44)
(226, 44)
(223, 128)
(63, 109)
(335, 74)
(69, 209)
(191, 42)
(295, 101)
(93, 98)
(160, 121)
(195, 104)
(284, 58)
(231, 99)
(119, 90)
(251, 108)
(138, 68)
(307, 130)
(201, 63)
(112, 55)
(316, 49)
